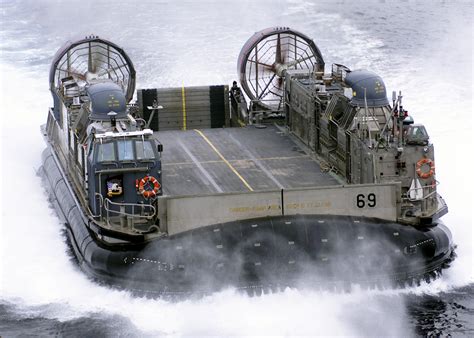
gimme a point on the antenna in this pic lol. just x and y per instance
(367, 116)
(400, 119)
(394, 110)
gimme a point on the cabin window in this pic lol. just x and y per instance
(418, 131)
(144, 150)
(106, 152)
(416, 134)
(125, 150)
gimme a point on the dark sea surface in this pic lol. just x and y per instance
(423, 48)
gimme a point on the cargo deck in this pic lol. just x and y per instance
(244, 159)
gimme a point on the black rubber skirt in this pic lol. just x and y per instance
(268, 253)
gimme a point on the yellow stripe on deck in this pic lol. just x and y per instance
(183, 96)
(224, 159)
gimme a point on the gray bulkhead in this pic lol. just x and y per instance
(125, 170)
(120, 160)
(347, 120)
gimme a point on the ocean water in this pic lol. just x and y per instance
(423, 48)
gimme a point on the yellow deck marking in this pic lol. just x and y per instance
(224, 159)
(183, 96)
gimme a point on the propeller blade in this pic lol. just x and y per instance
(278, 50)
(295, 62)
(70, 72)
(89, 59)
(111, 70)
(262, 64)
(284, 49)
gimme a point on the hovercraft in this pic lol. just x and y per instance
(297, 177)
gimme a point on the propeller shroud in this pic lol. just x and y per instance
(92, 58)
(267, 55)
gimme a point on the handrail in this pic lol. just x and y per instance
(122, 212)
(255, 102)
(238, 105)
(101, 204)
(425, 197)
(260, 114)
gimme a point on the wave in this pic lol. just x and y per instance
(40, 278)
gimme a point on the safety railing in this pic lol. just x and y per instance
(126, 215)
(238, 106)
(425, 197)
(52, 127)
(426, 192)
(339, 71)
(258, 113)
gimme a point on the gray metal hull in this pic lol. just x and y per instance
(256, 254)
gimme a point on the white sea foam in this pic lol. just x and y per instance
(38, 276)
(41, 279)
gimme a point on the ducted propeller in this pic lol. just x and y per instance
(265, 58)
(92, 58)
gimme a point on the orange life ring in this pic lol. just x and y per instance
(149, 193)
(425, 174)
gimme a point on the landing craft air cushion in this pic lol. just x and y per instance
(297, 178)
